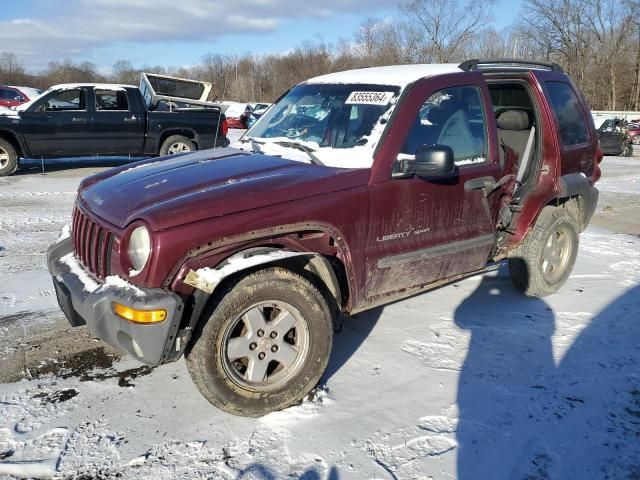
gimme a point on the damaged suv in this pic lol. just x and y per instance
(355, 189)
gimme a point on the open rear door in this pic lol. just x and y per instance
(174, 92)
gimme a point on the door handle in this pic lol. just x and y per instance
(130, 119)
(478, 183)
(79, 120)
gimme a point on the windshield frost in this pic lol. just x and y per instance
(341, 124)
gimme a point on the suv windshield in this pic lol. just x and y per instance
(331, 120)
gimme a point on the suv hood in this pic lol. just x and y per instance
(186, 188)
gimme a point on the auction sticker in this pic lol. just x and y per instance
(369, 98)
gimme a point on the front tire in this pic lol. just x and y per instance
(176, 144)
(8, 158)
(545, 259)
(263, 346)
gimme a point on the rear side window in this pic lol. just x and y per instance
(565, 104)
(111, 100)
(8, 94)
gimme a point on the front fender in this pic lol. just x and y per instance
(207, 279)
(16, 139)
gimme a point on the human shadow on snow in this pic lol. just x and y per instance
(257, 471)
(521, 415)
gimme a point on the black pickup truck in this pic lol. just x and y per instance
(162, 117)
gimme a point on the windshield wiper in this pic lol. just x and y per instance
(255, 148)
(298, 146)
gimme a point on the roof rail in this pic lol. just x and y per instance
(508, 64)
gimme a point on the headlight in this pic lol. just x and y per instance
(139, 248)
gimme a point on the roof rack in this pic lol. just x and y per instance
(508, 64)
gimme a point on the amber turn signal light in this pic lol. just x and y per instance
(139, 316)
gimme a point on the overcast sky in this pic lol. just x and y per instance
(179, 32)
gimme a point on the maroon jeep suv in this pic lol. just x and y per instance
(354, 190)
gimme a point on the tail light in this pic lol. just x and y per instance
(597, 173)
(224, 127)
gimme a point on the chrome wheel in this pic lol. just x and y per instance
(178, 147)
(265, 346)
(556, 254)
(4, 158)
(636, 140)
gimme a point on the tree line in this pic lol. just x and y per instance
(596, 41)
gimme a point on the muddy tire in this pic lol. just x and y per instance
(262, 345)
(8, 158)
(176, 144)
(545, 259)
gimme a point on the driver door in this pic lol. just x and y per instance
(427, 229)
(60, 124)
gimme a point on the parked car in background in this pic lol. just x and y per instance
(164, 116)
(11, 96)
(259, 109)
(614, 138)
(633, 131)
(341, 198)
(238, 114)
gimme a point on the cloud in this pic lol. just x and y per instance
(75, 28)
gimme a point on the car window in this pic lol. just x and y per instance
(565, 104)
(73, 99)
(111, 100)
(453, 117)
(8, 94)
(336, 116)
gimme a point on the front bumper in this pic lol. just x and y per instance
(149, 343)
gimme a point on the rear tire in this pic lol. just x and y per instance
(176, 144)
(8, 158)
(545, 259)
(261, 345)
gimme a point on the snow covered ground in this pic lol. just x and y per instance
(471, 381)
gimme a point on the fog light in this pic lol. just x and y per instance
(139, 316)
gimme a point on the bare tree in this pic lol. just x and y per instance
(596, 41)
(443, 28)
(507, 43)
(610, 23)
(11, 68)
(559, 30)
(634, 8)
(124, 72)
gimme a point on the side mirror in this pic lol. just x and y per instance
(430, 161)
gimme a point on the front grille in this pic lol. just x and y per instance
(92, 244)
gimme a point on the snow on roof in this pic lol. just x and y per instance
(400, 75)
(108, 86)
(30, 92)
